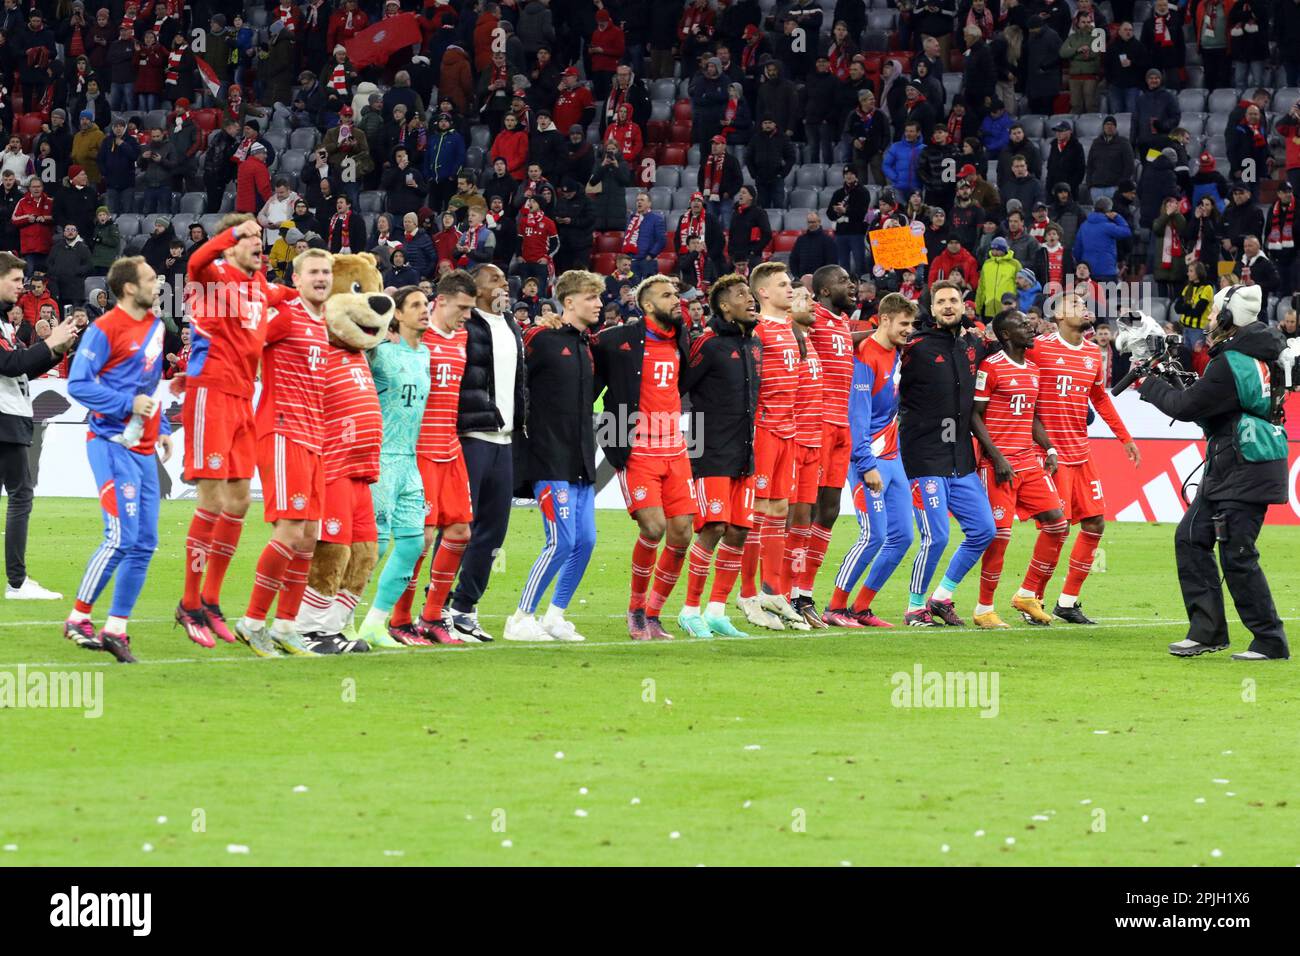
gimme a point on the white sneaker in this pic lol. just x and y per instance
(525, 627)
(563, 630)
(777, 604)
(31, 591)
(755, 614)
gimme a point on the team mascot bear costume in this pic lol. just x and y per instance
(357, 315)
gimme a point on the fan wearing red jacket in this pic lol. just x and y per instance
(954, 256)
(539, 240)
(229, 299)
(34, 217)
(572, 104)
(345, 24)
(625, 134)
(290, 424)
(1072, 375)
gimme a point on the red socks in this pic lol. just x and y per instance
(442, 573)
(1047, 552)
(1081, 555)
(643, 563)
(725, 568)
(400, 616)
(864, 599)
(197, 543)
(667, 571)
(773, 550)
(749, 557)
(271, 567)
(698, 574)
(295, 585)
(819, 539)
(795, 558)
(225, 538)
(991, 565)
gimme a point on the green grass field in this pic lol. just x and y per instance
(772, 750)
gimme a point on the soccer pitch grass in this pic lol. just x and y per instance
(779, 749)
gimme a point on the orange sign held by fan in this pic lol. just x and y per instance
(897, 248)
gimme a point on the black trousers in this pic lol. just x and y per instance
(491, 484)
(17, 477)
(1198, 575)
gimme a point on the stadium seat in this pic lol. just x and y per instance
(135, 245)
(1194, 123)
(682, 195)
(693, 156)
(661, 198)
(682, 111)
(952, 83)
(673, 155)
(1196, 77)
(663, 91)
(800, 198)
(91, 284)
(257, 17)
(291, 162)
(610, 242)
(209, 221)
(28, 126)
(669, 176)
(206, 120)
(475, 157)
(480, 136)
(278, 138)
(1284, 99)
(875, 40)
(372, 200)
(603, 263)
(795, 218)
(155, 119)
(810, 175)
(193, 203)
(667, 263)
(835, 176)
(1217, 124)
(1088, 125)
(885, 20)
(1191, 101)
(658, 131)
(304, 139)
(783, 241)
(681, 132)
(1223, 101)
(1033, 125)
(661, 111)
(629, 196)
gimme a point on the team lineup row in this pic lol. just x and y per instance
(357, 448)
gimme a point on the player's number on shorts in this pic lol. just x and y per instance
(1096, 489)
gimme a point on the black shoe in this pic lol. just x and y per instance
(322, 643)
(466, 627)
(1072, 615)
(1190, 648)
(119, 645)
(806, 608)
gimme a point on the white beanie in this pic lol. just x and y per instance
(1242, 302)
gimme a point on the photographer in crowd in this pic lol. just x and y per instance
(1238, 403)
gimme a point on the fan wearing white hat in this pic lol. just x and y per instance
(1237, 403)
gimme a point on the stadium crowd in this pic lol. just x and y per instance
(1035, 147)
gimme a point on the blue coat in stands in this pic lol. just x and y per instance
(1095, 243)
(420, 254)
(117, 166)
(652, 237)
(444, 155)
(901, 168)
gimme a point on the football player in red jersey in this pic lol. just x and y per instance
(290, 434)
(832, 336)
(638, 365)
(229, 298)
(808, 421)
(1072, 375)
(442, 461)
(1006, 392)
(774, 450)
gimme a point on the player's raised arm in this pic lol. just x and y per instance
(202, 259)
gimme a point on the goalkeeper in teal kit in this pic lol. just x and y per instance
(401, 373)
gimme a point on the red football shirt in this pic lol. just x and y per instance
(809, 400)
(292, 402)
(354, 427)
(1010, 391)
(778, 376)
(659, 423)
(535, 235)
(1069, 377)
(228, 317)
(438, 439)
(833, 340)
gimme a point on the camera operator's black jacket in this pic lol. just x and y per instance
(936, 397)
(618, 353)
(721, 377)
(558, 441)
(1212, 401)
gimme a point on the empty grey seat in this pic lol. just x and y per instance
(661, 110)
(1191, 101)
(1217, 123)
(1088, 125)
(796, 217)
(135, 245)
(1284, 99)
(835, 176)
(693, 156)
(1194, 123)
(209, 221)
(669, 176)
(292, 162)
(663, 91)
(629, 195)
(475, 157)
(810, 175)
(661, 198)
(181, 223)
(882, 19)
(194, 203)
(1033, 124)
(304, 139)
(128, 224)
(278, 138)
(682, 195)
(801, 197)
(155, 119)
(480, 136)
(1222, 101)
(372, 200)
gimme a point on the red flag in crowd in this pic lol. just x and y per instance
(379, 41)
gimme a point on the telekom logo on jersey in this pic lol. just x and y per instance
(664, 373)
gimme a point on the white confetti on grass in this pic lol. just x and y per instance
(674, 835)
(747, 804)
(582, 791)
(236, 848)
(147, 848)
(1199, 800)
(394, 853)
(846, 863)
(1216, 853)
(1085, 802)
(300, 789)
(979, 833)
(162, 819)
(1011, 841)
(1040, 816)
(636, 801)
(944, 848)
(1220, 780)
(753, 747)
(1227, 753)
(1101, 732)
(1145, 818)
(1229, 793)
(11, 847)
(579, 812)
(559, 755)
(507, 843)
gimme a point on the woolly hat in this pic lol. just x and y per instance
(1241, 302)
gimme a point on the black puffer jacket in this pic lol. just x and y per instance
(936, 392)
(478, 410)
(1213, 404)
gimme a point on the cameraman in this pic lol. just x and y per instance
(1245, 472)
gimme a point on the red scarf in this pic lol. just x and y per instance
(632, 235)
(954, 129)
(1171, 247)
(76, 44)
(1211, 18)
(699, 272)
(1163, 38)
(692, 225)
(749, 55)
(840, 59)
(342, 222)
(1055, 264)
(1258, 139)
(617, 97)
(174, 65)
(985, 23)
(1281, 232)
(339, 79)
(313, 14)
(181, 117)
(288, 16)
(622, 134)
(713, 175)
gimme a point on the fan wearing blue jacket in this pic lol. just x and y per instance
(115, 373)
(1097, 240)
(882, 496)
(903, 160)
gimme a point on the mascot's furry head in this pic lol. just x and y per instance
(357, 312)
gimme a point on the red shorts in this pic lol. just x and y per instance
(220, 440)
(447, 499)
(293, 480)
(774, 463)
(651, 482)
(1080, 491)
(837, 445)
(807, 475)
(730, 500)
(349, 513)
(1028, 493)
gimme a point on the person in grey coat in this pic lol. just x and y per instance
(1157, 110)
(606, 188)
(157, 165)
(1110, 160)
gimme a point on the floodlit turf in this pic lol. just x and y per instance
(778, 750)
